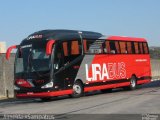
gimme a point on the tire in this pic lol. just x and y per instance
(106, 90)
(133, 84)
(78, 90)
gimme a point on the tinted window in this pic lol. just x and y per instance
(75, 48)
(65, 48)
(140, 48)
(123, 47)
(94, 46)
(71, 50)
(136, 47)
(112, 47)
(117, 47)
(145, 47)
(129, 48)
(107, 47)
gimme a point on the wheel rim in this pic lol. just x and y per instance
(133, 82)
(77, 89)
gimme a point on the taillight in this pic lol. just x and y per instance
(23, 83)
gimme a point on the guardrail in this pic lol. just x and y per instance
(155, 63)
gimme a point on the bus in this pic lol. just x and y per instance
(52, 63)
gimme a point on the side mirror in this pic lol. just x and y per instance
(49, 47)
(9, 50)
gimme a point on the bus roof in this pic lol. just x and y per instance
(125, 38)
(74, 34)
(66, 34)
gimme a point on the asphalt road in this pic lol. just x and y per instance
(145, 99)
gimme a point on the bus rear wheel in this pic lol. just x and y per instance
(78, 90)
(133, 84)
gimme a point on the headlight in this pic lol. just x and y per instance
(48, 85)
(16, 88)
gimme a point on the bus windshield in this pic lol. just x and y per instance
(31, 60)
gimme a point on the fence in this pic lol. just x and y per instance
(7, 74)
(155, 63)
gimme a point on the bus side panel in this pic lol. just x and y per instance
(111, 71)
(124, 66)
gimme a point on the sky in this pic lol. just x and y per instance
(135, 18)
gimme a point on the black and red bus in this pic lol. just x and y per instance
(68, 62)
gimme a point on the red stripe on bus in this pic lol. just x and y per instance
(44, 94)
(143, 81)
(106, 86)
(67, 92)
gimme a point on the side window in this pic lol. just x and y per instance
(141, 48)
(133, 48)
(94, 46)
(145, 48)
(71, 50)
(85, 45)
(112, 47)
(107, 47)
(123, 47)
(65, 48)
(117, 47)
(136, 47)
(129, 48)
(75, 48)
(58, 57)
(19, 53)
(88, 46)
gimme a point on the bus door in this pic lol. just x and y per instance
(67, 59)
(72, 60)
(58, 66)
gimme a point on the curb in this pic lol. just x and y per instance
(3, 98)
(155, 80)
(6, 99)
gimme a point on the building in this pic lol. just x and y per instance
(2, 47)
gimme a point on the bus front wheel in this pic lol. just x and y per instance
(77, 89)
